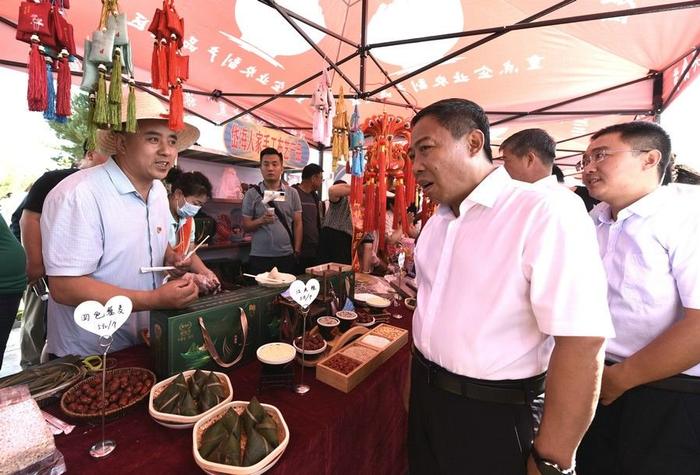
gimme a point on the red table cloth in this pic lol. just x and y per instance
(330, 432)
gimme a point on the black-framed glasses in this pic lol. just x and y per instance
(597, 156)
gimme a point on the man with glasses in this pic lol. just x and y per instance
(649, 412)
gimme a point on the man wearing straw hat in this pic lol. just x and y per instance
(101, 225)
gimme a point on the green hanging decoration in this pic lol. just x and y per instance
(92, 128)
(131, 109)
(115, 92)
(101, 101)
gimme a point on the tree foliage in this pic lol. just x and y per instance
(73, 132)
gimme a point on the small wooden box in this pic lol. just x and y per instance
(347, 382)
(332, 270)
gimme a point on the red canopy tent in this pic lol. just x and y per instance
(570, 67)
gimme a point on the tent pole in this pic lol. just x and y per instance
(575, 138)
(574, 112)
(311, 43)
(681, 78)
(291, 88)
(569, 101)
(543, 23)
(318, 27)
(657, 95)
(363, 47)
(470, 46)
(386, 75)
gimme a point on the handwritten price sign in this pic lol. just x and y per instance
(304, 294)
(103, 320)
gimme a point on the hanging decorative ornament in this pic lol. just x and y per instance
(169, 67)
(339, 147)
(324, 108)
(43, 25)
(388, 138)
(357, 168)
(107, 57)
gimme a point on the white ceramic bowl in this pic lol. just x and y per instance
(276, 353)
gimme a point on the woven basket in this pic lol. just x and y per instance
(265, 464)
(176, 421)
(111, 414)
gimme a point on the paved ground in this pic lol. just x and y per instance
(10, 362)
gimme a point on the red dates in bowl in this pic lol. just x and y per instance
(124, 387)
(313, 344)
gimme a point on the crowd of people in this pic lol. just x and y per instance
(546, 339)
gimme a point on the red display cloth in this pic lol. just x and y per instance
(330, 432)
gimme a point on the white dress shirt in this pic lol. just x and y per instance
(95, 223)
(652, 257)
(519, 264)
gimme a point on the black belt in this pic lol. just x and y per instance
(680, 383)
(509, 391)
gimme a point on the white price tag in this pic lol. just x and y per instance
(304, 294)
(103, 320)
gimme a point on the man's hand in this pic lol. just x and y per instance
(177, 293)
(178, 260)
(266, 219)
(613, 385)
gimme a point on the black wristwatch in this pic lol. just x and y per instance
(550, 468)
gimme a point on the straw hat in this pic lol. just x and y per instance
(147, 107)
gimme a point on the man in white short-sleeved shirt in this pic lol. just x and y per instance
(649, 238)
(499, 272)
(529, 155)
(101, 225)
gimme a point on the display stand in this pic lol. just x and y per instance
(104, 447)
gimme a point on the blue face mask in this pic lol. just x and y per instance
(188, 210)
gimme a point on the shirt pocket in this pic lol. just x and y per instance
(643, 278)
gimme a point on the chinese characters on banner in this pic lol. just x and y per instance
(245, 140)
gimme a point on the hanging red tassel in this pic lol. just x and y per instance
(155, 80)
(380, 212)
(176, 118)
(410, 182)
(368, 218)
(36, 88)
(356, 188)
(400, 216)
(172, 60)
(63, 106)
(163, 67)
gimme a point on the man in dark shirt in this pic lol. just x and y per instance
(28, 215)
(308, 189)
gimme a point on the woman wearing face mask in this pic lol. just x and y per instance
(189, 191)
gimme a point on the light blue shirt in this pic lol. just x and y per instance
(95, 223)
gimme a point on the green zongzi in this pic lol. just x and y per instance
(256, 449)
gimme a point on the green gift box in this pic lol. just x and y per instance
(178, 337)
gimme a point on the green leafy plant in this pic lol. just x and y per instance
(73, 132)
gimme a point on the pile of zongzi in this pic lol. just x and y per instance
(221, 442)
(189, 397)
